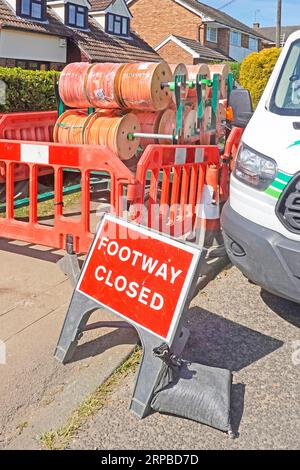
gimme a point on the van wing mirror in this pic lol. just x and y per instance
(241, 103)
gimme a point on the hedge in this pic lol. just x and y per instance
(235, 69)
(27, 90)
(256, 69)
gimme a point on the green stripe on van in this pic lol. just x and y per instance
(284, 176)
(273, 193)
(278, 185)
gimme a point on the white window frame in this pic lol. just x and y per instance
(209, 29)
(256, 44)
(239, 35)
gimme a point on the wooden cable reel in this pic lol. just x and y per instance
(193, 71)
(69, 127)
(112, 132)
(179, 69)
(149, 124)
(205, 134)
(72, 85)
(101, 85)
(76, 127)
(222, 70)
(189, 124)
(167, 125)
(221, 118)
(140, 86)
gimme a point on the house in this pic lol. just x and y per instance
(270, 34)
(190, 31)
(36, 34)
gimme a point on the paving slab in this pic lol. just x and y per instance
(36, 391)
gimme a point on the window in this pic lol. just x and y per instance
(286, 97)
(34, 9)
(116, 24)
(29, 65)
(253, 44)
(211, 34)
(76, 16)
(235, 38)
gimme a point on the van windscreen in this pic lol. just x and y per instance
(286, 96)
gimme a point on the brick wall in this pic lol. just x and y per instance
(154, 20)
(245, 41)
(7, 62)
(223, 41)
(12, 63)
(260, 45)
(74, 54)
(172, 53)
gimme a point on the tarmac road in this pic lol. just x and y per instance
(234, 325)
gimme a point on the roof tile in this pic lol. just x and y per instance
(204, 51)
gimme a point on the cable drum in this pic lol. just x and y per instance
(167, 125)
(223, 70)
(179, 69)
(101, 85)
(193, 71)
(205, 134)
(189, 125)
(69, 127)
(149, 124)
(112, 132)
(77, 127)
(140, 86)
(72, 85)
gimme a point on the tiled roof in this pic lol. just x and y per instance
(286, 31)
(102, 47)
(99, 5)
(203, 51)
(53, 25)
(98, 45)
(215, 15)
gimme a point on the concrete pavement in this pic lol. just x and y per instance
(235, 325)
(36, 391)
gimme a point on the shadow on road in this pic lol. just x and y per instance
(30, 250)
(102, 343)
(218, 342)
(286, 309)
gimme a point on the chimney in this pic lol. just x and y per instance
(256, 26)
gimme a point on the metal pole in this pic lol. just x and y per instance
(278, 25)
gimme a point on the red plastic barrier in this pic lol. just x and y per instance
(228, 159)
(177, 178)
(55, 158)
(29, 126)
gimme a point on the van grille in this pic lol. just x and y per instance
(288, 206)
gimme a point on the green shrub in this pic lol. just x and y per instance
(27, 90)
(235, 69)
(256, 69)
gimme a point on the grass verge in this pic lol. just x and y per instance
(59, 439)
(46, 208)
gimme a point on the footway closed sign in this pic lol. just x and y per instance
(139, 274)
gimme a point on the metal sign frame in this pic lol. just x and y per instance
(81, 307)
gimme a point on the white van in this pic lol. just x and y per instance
(261, 220)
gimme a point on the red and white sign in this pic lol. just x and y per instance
(139, 274)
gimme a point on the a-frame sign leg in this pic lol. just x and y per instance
(150, 368)
(80, 310)
(78, 314)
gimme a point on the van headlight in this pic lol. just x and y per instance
(254, 169)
